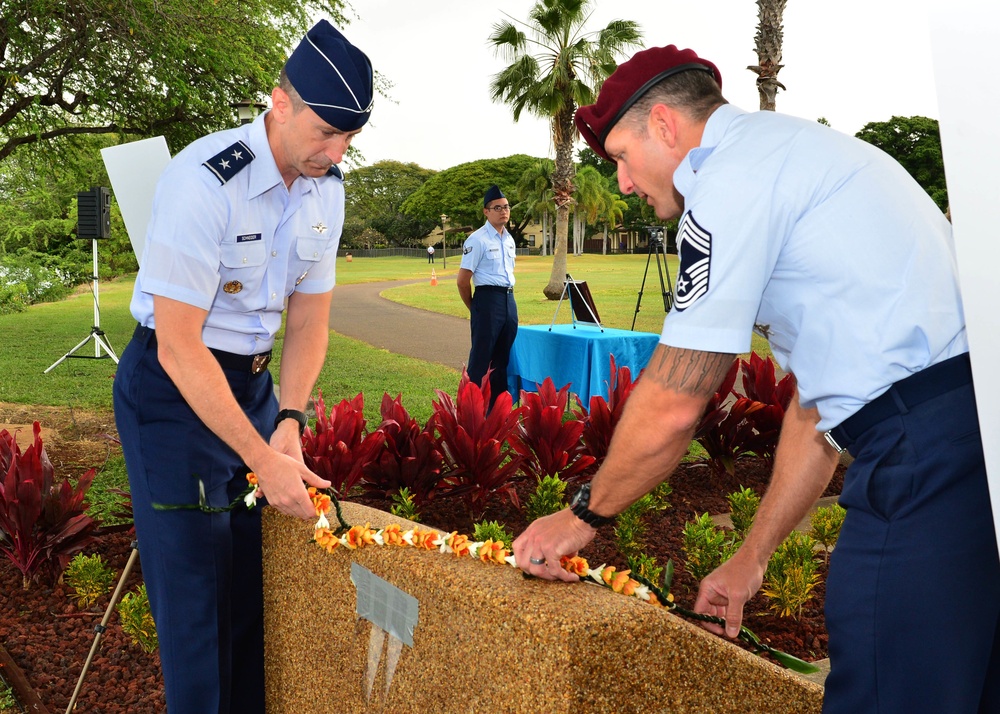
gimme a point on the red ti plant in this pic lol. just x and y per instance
(340, 446)
(475, 440)
(726, 432)
(42, 524)
(411, 459)
(599, 425)
(550, 446)
(759, 385)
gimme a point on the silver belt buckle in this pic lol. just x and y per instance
(828, 435)
(260, 363)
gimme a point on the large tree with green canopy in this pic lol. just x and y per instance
(555, 67)
(141, 67)
(915, 142)
(458, 193)
(375, 194)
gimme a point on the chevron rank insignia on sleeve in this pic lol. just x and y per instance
(230, 161)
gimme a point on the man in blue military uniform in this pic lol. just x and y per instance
(242, 221)
(824, 245)
(488, 261)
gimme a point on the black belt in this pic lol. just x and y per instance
(902, 396)
(495, 288)
(254, 364)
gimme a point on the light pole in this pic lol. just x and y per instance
(444, 242)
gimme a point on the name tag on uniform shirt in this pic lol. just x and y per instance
(247, 237)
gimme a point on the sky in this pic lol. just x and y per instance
(852, 62)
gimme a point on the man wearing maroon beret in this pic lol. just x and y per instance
(828, 248)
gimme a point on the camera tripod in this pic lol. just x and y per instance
(666, 289)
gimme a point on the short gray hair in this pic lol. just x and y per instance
(695, 93)
(298, 104)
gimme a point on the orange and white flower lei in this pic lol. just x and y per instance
(489, 551)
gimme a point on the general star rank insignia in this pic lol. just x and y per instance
(694, 244)
(232, 287)
(230, 161)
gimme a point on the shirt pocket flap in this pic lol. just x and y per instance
(243, 255)
(309, 248)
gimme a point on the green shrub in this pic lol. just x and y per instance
(494, 531)
(137, 620)
(660, 496)
(630, 528)
(7, 699)
(645, 565)
(706, 546)
(791, 574)
(90, 578)
(825, 526)
(743, 506)
(403, 505)
(549, 497)
(34, 277)
(13, 298)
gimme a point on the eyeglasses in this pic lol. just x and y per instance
(500, 209)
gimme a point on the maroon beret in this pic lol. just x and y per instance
(628, 83)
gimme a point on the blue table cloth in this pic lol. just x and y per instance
(578, 356)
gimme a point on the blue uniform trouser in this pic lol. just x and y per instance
(913, 594)
(202, 571)
(494, 327)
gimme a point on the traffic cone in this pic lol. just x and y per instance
(434, 277)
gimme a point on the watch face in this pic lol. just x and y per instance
(581, 494)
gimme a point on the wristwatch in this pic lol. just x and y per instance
(579, 506)
(295, 414)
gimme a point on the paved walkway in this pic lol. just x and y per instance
(359, 311)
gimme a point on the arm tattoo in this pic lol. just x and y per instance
(688, 371)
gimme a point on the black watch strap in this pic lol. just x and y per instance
(580, 508)
(295, 414)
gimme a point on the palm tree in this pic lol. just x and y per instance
(590, 194)
(768, 44)
(611, 214)
(554, 68)
(534, 191)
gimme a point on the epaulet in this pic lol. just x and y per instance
(335, 171)
(230, 161)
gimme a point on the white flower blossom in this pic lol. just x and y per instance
(322, 522)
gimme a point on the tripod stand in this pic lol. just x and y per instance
(96, 333)
(101, 628)
(666, 289)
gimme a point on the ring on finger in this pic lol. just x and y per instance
(536, 561)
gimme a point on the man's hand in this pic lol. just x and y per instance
(287, 440)
(283, 479)
(726, 590)
(548, 539)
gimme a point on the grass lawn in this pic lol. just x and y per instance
(35, 339)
